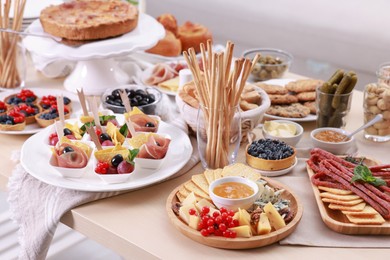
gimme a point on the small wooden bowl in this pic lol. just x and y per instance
(269, 165)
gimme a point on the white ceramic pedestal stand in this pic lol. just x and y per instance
(96, 69)
(95, 76)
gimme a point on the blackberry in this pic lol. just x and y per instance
(269, 149)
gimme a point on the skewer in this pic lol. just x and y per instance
(96, 115)
(80, 94)
(60, 108)
(94, 137)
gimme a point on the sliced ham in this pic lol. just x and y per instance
(155, 148)
(75, 159)
(160, 73)
(144, 123)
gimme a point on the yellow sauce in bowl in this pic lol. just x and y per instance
(330, 136)
(233, 190)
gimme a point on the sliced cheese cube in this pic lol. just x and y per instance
(242, 231)
(194, 222)
(275, 219)
(190, 199)
(263, 226)
(184, 212)
(244, 217)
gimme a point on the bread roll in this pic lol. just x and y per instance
(169, 46)
(192, 35)
(169, 22)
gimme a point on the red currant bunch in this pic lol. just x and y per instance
(217, 223)
(102, 167)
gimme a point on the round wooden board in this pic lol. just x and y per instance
(240, 243)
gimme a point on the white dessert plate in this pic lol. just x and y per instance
(35, 155)
(283, 82)
(40, 92)
(279, 172)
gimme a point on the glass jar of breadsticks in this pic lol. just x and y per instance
(12, 54)
(219, 82)
(377, 101)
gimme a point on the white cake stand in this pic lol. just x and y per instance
(96, 69)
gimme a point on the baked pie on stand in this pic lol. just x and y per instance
(96, 69)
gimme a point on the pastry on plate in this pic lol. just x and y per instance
(89, 20)
(192, 35)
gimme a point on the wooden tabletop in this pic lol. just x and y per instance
(136, 226)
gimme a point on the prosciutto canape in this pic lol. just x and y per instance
(69, 156)
(155, 148)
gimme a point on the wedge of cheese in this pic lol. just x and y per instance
(170, 84)
(244, 218)
(263, 226)
(242, 231)
(194, 222)
(205, 203)
(184, 212)
(275, 219)
(190, 199)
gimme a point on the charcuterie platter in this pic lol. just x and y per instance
(337, 219)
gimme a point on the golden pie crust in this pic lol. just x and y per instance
(89, 20)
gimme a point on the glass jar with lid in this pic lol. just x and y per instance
(383, 73)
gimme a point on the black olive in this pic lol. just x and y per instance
(68, 149)
(104, 136)
(149, 124)
(116, 160)
(67, 131)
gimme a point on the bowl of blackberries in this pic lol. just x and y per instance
(145, 98)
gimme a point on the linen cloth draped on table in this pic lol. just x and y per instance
(37, 207)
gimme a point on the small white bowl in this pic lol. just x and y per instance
(292, 141)
(111, 178)
(154, 164)
(234, 204)
(339, 148)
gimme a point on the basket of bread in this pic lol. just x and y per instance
(253, 104)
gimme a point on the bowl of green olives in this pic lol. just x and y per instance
(273, 63)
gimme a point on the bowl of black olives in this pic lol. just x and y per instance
(145, 98)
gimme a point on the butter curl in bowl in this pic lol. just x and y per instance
(283, 130)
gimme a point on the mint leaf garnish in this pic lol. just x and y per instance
(363, 174)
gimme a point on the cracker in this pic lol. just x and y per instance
(201, 182)
(183, 191)
(282, 99)
(272, 89)
(209, 175)
(342, 202)
(377, 219)
(349, 197)
(191, 186)
(303, 85)
(239, 169)
(295, 110)
(180, 197)
(306, 96)
(217, 174)
(357, 207)
(367, 212)
(335, 191)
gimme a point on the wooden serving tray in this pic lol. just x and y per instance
(240, 243)
(338, 222)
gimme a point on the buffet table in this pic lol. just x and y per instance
(136, 226)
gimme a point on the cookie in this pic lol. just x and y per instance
(306, 96)
(295, 110)
(312, 106)
(282, 99)
(252, 97)
(304, 85)
(272, 89)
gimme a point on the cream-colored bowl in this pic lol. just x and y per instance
(339, 148)
(293, 140)
(234, 204)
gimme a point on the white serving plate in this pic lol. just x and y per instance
(35, 157)
(40, 92)
(283, 82)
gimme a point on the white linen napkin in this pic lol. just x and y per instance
(37, 207)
